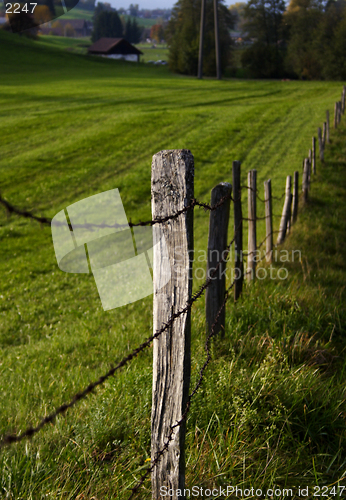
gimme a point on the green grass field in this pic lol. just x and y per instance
(272, 408)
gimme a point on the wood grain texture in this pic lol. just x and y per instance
(295, 199)
(286, 210)
(217, 244)
(269, 219)
(320, 143)
(172, 187)
(238, 230)
(252, 239)
(327, 122)
(305, 184)
(313, 156)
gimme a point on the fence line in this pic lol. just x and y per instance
(288, 217)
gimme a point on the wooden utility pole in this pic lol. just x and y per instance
(201, 39)
(217, 39)
(172, 189)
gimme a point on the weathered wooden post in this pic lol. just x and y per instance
(285, 211)
(313, 155)
(295, 199)
(310, 156)
(217, 250)
(309, 174)
(306, 181)
(327, 118)
(336, 115)
(252, 243)
(269, 219)
(324, 134)
(238, 231)
(172, 188)
(343, 99)
(320, 143)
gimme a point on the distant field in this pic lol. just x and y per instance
(272, 408)
(150, 53)
(75, 45)
(78, 13)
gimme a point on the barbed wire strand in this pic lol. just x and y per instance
(10, 209)
(161, 452)
(30, 431)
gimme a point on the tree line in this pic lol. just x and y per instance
(306, 39)
(107, 23)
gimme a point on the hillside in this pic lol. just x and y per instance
(271, 410)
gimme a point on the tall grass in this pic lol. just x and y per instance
(271, 410)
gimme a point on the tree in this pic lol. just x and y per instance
(237, 11)
(107, 24)
(134, 10)
(157, 32)
(263, 21)
(133, 32)
(42, 14)
(69, 30)
(182, 36)
(303, 19)
(23, 22)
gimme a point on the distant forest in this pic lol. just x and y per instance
(306, 39)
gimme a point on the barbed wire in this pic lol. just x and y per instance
(48, 221)
(30, 431)
(161, 452)
(279, 198)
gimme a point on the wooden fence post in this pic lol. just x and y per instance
(285, 211)
(324, 134)
(295, 199)
(306, 180)
(339, 112)
(252, 243)
(313, 155)
(269, 219)
(336, 115)
(327, 118)
(238, 231)
(172, 188)
(343, 99)
(320, 143)
(217, 244)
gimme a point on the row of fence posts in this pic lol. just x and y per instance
(172, 190)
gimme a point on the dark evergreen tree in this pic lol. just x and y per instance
(107, 24)
(100, 7)
(263, 22)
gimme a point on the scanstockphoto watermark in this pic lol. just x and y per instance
(217, 271)
(227, 491)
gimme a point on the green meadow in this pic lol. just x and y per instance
(271, 411)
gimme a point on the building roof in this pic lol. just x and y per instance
(114, 45)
